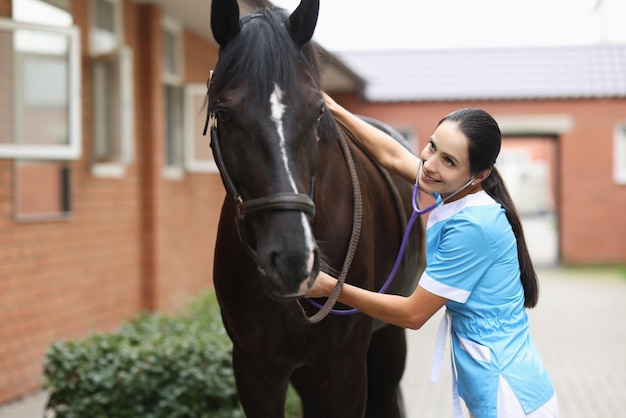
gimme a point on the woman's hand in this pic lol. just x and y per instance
(323, 286)
(331, 104)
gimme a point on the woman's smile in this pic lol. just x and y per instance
(428, 179)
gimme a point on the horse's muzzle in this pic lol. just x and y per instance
(285, 280)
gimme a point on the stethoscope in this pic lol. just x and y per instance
(417, 212)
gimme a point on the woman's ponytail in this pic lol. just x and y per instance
(495, 187)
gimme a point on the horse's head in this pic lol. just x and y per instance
(265, 98)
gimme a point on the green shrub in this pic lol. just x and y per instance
(155, 366)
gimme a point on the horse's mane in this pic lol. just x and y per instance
(262, 51)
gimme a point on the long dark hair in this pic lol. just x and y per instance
(485, 140)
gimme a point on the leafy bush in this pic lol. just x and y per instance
(155, 366)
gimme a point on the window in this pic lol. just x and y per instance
(39, 83)
(40, 105)
(619, 154)
(173, 126)
(173, 97)
(198, 154)
(113, 121)
(112, 69)
(105, 32)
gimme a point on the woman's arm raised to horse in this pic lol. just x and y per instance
(385, 149)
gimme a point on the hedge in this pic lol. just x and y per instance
(154, 366)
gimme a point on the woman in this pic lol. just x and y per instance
(477, 265)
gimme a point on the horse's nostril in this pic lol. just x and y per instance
(279, 267)
(273, 261)
(286, 271)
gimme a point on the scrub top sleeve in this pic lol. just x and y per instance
(462, 256)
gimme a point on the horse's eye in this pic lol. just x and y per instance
(223, 117)
(321, 113)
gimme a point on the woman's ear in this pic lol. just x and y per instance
(483, 175)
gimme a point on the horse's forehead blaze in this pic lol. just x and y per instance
(277, 113)
(276, 105)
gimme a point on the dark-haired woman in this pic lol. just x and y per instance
(477, 265)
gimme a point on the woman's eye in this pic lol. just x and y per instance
(448, 161)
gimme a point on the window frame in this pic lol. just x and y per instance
(72, 150)
(173, 80)
(191, 113)
(121, 55)
(126, 128)
(118, 28)
(170, 25)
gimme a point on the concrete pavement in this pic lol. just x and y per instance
(579, 330)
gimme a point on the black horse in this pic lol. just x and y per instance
(293, 183)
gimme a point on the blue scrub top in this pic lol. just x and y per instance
(471, 259)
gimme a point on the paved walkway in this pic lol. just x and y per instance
(578, 328)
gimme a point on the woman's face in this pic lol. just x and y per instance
(445, 167)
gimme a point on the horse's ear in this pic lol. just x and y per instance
(303, 20)
(225, 22)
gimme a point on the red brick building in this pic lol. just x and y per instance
(109, 199)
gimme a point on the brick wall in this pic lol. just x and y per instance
(141, 241)
(190, 208)
(65, 278)
(180, 214)
(592, 220)
(186, 210)
(148, 103)
(200, 58)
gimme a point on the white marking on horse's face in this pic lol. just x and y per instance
(278, 109)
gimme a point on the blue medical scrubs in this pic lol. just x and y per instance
(471, 259)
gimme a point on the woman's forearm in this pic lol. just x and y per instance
(378, 143)
(407, 312)
(389, 308)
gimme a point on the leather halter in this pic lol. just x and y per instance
(276, 202)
